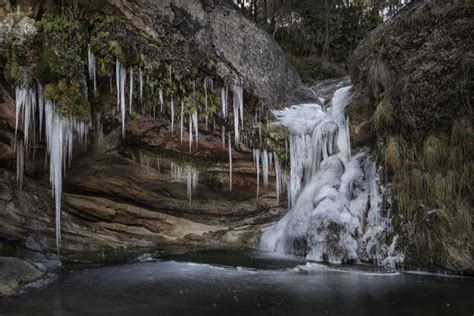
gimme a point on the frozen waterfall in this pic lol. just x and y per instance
(334, 197)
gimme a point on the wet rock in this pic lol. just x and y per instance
(15, 273)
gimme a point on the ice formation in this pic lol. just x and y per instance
(121, 77)
(59, 139)
(224, 97)
(335, 200)
(185, 174)
(230, 163)
(92, 69)
(130, 91)
(161, 100)
(265, 167)
(181, 123)
(278, 176)
(140, 79)
(25, 100)
(238, 110)
(172, 115)
(59, 133)
(256, 155)
(208, 86)
(190, 132)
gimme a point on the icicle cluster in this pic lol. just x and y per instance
(238, 109)
(59, 139)
(193, 124)
(59, 133)
(185, 174)
(266, 160)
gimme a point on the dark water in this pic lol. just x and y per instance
(223, 282)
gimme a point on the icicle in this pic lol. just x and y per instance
(172, 115)
(230, 164)
(25, 101)
(181, 123)
(161, 100)
(196, 127)
(238, 107)
(92, 68)
(117, 81)
(278, 176)
(140, 75)
(40, 107)
(265, 167)
(190, 132)
(257, 160)
(123, 78)
(130, 110)
(188, 175)
(207, 86)
(224, 96)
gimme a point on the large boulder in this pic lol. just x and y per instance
(190, 33)
(413, 78)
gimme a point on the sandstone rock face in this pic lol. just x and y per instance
(14, 273)
(121, 195)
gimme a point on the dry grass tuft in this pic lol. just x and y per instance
(383, 116)
(434, 188)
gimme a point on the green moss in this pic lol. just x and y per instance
(12, 69)
(69, 100)
(63, 38)
(49, 68)
(104, 69)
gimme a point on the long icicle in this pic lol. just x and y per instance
(181, 123)
(230, 163)
(123, 78)
(130, 110)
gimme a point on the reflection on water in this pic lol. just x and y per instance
(229, 282)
